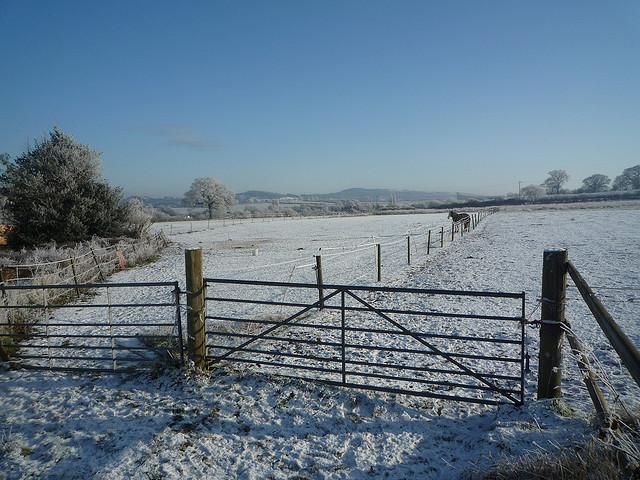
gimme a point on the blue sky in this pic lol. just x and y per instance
(317, 96)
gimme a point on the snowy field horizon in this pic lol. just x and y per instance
(243, 422)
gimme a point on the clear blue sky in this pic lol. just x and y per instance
(316, 96)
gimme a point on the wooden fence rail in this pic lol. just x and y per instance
(619, 340)
(553, 327)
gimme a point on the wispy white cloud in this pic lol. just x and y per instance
(186, 136)
(183, 135)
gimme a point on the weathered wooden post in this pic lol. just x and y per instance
(75, 275)
(589, 377)
(196, 344)
(379, 261)
(441, 237)
(428, 241)
(4, 324)
(554, 286)
(95, 260)
(408, 249)
(319, 280)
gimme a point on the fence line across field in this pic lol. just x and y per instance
(336, 260)
(83, 268)
(380, 257)
(184, 229)
(99, 262)
(73, 273)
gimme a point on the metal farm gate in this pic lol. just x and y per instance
(91, 327)
(446, 344)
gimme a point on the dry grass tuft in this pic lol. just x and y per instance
(616, 456)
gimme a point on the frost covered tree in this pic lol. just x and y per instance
(595, 183)
(554, 182)
(139, 217)
(531, 192)
(211, 194)
(55, 192)
(629, 180)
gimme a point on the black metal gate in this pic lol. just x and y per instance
(44, 327)
(448, 344)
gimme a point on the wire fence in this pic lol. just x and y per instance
(368, 257)
(89, 263)
(366, 261)
(194, 226)
(182, 227)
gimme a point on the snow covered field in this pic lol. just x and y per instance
(242, 424)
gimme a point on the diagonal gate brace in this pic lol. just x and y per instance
(262, 334)
(458, 364)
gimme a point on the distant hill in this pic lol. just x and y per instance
(261, 195)
(372, 195)
(381, 195)
(162, 202)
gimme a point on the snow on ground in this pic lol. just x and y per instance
(239, 423)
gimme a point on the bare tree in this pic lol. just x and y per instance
(554, 182)
(531, 192)
(595, 183)
(629, 180)
(210, 193)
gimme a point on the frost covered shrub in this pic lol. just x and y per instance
(139, 218)
(55, 192)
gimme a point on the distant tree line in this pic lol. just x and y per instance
(628, 180)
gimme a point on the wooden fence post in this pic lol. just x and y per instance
(319, 280)
(589, 377)
(408, 249)
(4, 327)
(75, 276)
(554, 286)
(441, 237)
(379, 261)
(196, 341)
(452, 230)
(428, 241)
(95, 259)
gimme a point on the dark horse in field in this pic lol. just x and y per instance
(461, 218)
